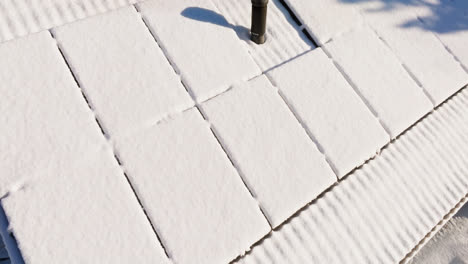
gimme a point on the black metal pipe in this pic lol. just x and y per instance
(259, 18)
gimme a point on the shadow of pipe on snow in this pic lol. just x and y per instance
(9, 240)
(211, 17)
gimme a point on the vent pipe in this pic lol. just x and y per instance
(259, 17)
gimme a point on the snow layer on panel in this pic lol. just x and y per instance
(341, 123)
(279, 162)
(22, 17)
(122, 70)
(380, 78)
(420, 50)
(450, 22)
(84, 212)
(68, 189)
(209, 56)
(284, 38)
(325, 19)
(41, 109)
(191, 191)
(380, 212)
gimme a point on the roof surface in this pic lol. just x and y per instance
(158, 133)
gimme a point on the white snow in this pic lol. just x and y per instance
(82, 212)
(264, 140)
(384, 209)
(70, 202)
(191, 191)
(130, 84)
(347, 131)
(397, 24)
(209, 57)
(419, 49)
(380, 78)
(450, 21)
(209, 181)
(22, 17)
(40, 110)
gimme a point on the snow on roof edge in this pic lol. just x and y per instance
(19, 18)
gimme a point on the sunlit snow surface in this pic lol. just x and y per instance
(158, 133)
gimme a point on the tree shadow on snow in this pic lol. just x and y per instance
(9, 252)
(443, 16)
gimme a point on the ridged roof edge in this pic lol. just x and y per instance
(22, 17)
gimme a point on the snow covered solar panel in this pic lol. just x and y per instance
(384, 209)
(158, 133)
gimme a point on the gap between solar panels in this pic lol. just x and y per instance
(107, 138)
(298, 22)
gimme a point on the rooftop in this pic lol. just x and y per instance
(157, 132)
